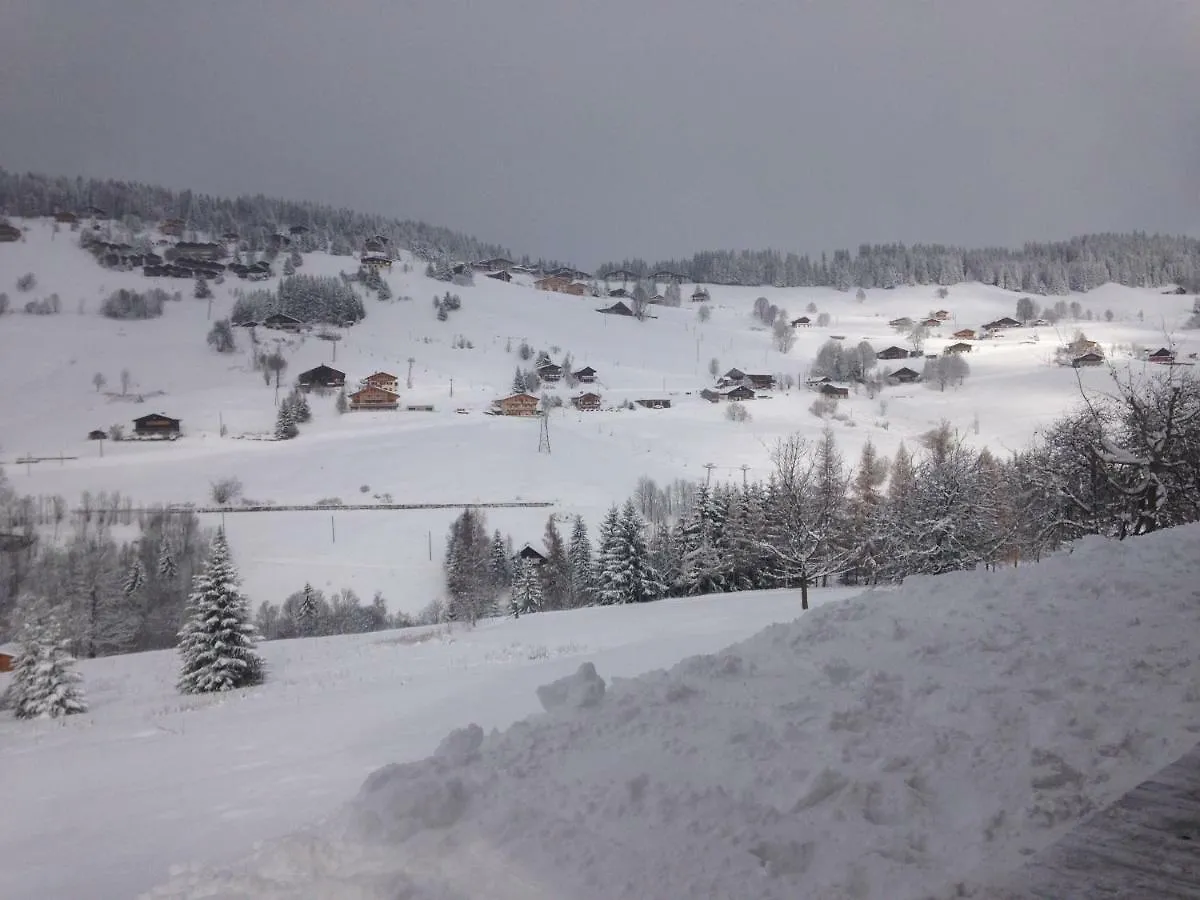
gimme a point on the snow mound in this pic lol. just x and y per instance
(903, 744)
(579, 691)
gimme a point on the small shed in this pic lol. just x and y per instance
(8, 657)
(157, 425)
(617, 309)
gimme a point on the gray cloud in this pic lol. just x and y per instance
(589, 130)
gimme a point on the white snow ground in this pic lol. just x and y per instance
(99, 805)
(897, 745)
(49, 404)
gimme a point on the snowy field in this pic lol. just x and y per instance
(100, 805)
(906, 744)
(447, 457)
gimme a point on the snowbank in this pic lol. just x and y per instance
(904, 744)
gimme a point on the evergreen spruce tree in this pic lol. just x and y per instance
(385, 290)
(643, 584)
(135, 579)
(610, 568)
(167, 567)
(555, 572)
(202, 291)
(519, 385)
(307, 613)
(500, 562)
(342, 404)
(44, 683)
(285, 424)
(526, 589)
(217, 642)
(579, 557)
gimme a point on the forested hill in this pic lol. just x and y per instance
(1078, 264)
(254, 218)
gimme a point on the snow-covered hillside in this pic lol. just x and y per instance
(897, 745)
(447, 457)
(100, 805)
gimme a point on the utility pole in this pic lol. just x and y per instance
(745, 469)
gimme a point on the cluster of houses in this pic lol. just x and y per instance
(151, 426)
(379, 390)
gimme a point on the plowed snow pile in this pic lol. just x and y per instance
(903, 744)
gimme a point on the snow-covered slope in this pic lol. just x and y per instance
(892, 746)
(100, 805)
(50, 403)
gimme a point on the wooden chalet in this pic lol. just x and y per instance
(586, 375)
(577, 289)
(620, 275)
(1004, 322)
(1162, 355)
(196, 250)
(834, 392)
(518, 405)
(502, 275)
(384, 381)
(942, 315)
(666, 275)
(619, 293)
(741, 392)
(8, 657)
(586, 402)
(495, 264)
(372, 397)
(66, 218)
(960, 347)
(1091, 358)
(375, 262)
(156, 425)
(931, 322)
(322, 376)
(528, 555)
(654, 403)
(617, 309)
(733, 376)
(892, 352)
(802, 322)
(549, 372)
(964, 334)
(760, 382)
(282, 322)
(904, 375)
(902, 322)
(552, 283)
(376, 244)
(700, 295)
(9, 233)
(97, 434)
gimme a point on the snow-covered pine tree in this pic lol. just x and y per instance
(555, 572)
(611, 565)
(307, 613)
(217, 642)
(285, 423)
(518, 384)
(44, 682)
(342, 404)
(500, 562)
(135, 579)
(526, 589)
(643, 584)
(579, 557)
(167, 567)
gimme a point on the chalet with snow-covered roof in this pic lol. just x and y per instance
(383, 380)
(552, 283)
(620, 275)
(738, 393)
(802, 322)
(667, 275)
(529, 555)
(520, 404)
(66, 218)
(964, 334)
(1092, 358)
(502, 275)
(619, 294)
(617, 309)
(1162, 355)
(375, 261)
(904, 375)
(157, 425)
(931, 322)
(549, 371)
(588, 401)
(834, 392)
(700, 295)
(1003, 322)
(902, 322)
(372, 397)
(586, 375)
(322, 376)
(282, 322)
(196, 250)
(759, 382)
(960, 347)
(892, 352)
(942, 315)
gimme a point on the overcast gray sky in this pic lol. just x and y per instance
(594, 129)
